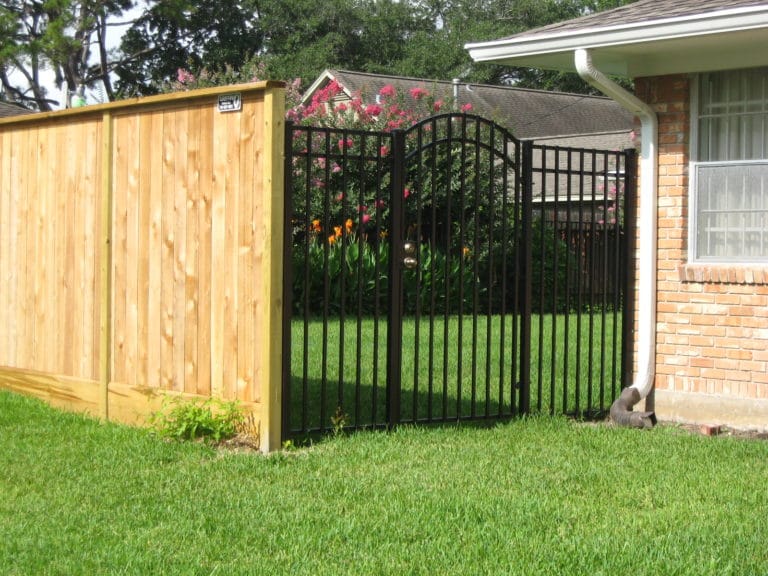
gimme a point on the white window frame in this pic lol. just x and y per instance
(693, 171)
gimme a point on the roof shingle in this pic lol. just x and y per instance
(644, 11)
(7, 109)
(526, 113)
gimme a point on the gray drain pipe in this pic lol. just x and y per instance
(621, 410)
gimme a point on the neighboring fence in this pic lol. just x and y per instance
(140, 248)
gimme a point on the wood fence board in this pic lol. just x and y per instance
(230, 256)
(192, 243)
(132, 133)
(7, 247)
(155, 245)
(143, 247)
(204, 233)
(91, 231)
(218, 248)
(179, 224)
(28, 174)
(104, 277)
(94, 234)
(120, 247)
(167, 268)
(246, 268)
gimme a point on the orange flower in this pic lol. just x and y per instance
(331, 240)
(315, 227)
(337, 230)
(348, 225)
(466, 251)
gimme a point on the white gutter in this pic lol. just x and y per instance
(646, 312)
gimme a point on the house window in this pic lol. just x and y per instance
(730, 167)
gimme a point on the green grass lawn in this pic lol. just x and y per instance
(532, 496)
(470, 371)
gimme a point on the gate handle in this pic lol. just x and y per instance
(410, 262)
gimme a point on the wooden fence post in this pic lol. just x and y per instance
(274, 220)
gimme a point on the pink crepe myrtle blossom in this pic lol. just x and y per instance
(373, 110)
(184, 76)
(466, 107)
(366, 218)
(335, 168)
(418, 93)
(387, 91)
(437, 105)
(384, 150)
(345, 143)
(406, 192)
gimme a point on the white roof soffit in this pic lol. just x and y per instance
(734, 38)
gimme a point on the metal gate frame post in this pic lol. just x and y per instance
(395, 313)
(287, 280)
(526, 278)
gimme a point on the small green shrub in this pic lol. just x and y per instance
(212, 420)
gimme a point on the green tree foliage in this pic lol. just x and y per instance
(174, 34)
(301, 38)
(76, 43)
(64, 39)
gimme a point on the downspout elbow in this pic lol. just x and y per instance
(621, 410)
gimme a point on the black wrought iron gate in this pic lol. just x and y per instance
(452, 272)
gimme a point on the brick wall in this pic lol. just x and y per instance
(712, 323)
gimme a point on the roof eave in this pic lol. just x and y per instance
(553, 50)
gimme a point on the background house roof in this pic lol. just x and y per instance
(7, 109)
(526, 113)
(645, 38)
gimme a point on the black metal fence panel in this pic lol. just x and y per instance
(451, 272)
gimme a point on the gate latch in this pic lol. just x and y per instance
(410, 261)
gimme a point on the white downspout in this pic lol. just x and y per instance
(621, 411)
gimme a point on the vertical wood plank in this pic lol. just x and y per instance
(219, 207)
(192, 242)
(35, 248)
(179, 224)
(155, 321)
(167, 261)
(7, 250)
(105, 263)
(68, 341)
(144, 228)
(204, 259)
(38, 186)
(24, 234)
(89, 219)
(75, 267)
(246, 267)
(132, 162)
(230, 256)
(119, 224)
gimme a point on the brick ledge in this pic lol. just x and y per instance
(724, 273)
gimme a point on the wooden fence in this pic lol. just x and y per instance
(141, 253)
